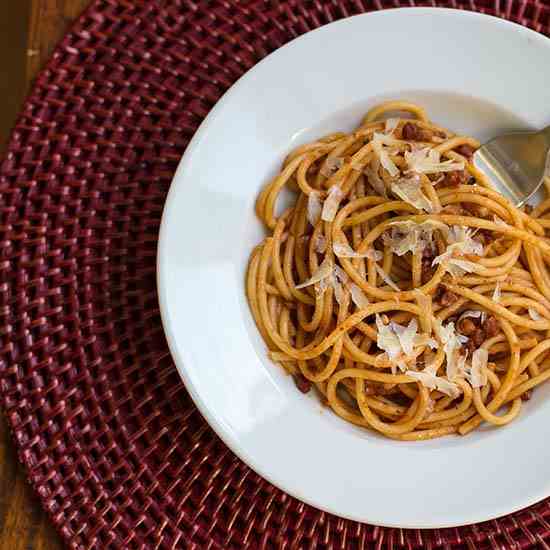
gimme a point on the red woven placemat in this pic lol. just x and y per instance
(111, 442)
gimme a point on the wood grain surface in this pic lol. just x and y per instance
(49, 21)
(23, 524)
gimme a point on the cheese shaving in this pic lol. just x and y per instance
(428, 161)
(391, 125)
(477, 375)
(320, 244)
(373, 254)
(409, 236)
(387, 340)
(378, 143)
(410, 191)
(332, 202)
(314, 208)
(386, 278)
(452, 342)
(430, 380)
(402, 242)
(344, 250)
(323, 285)
(457, 268)
(338, 280)
(331, 166)
(460, 242)
(462, 238)
(534, 314)
(397, 341)
(424, 340)
(375, 180)
(322, 272)
(358, 297)
(340, 274)
(406, 335)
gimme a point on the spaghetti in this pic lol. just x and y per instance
(412, 296)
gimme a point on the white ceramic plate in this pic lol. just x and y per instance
(475, 74)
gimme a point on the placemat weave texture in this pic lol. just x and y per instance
(111, 442)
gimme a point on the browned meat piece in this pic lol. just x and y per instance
(491, 326)
(448, 298)
(455, 178)
(465, 150)
(412, 132)
(302, 383)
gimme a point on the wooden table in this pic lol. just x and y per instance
(23, 524)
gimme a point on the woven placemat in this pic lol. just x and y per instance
(110, 440)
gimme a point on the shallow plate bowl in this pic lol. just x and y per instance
(475, 74)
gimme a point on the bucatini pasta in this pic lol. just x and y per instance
(399, 284)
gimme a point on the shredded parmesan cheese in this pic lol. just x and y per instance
(460, 243)
(391, 125)
(534, 314)
(386, 278)
(410, 191)
(375, 180)
(452, 342)
(320, 244)
(340, 274)
(358, 297)
(314, 208)
(457, 267)
(344, 250)
(331, 166)
(323, 285)
(409, 236)
(332, 202)
(373, 254)
(397, 341)
(400, 242)
(428, 161)
(388, 340)
(430, 380)
(462, 239)
(378, 143)
(339, 281)
(322, 272)
(478, 374)
(427, 341)
(406, 336)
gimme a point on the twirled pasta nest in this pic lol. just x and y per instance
(409, 293)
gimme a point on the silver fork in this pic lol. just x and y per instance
(516, 163)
